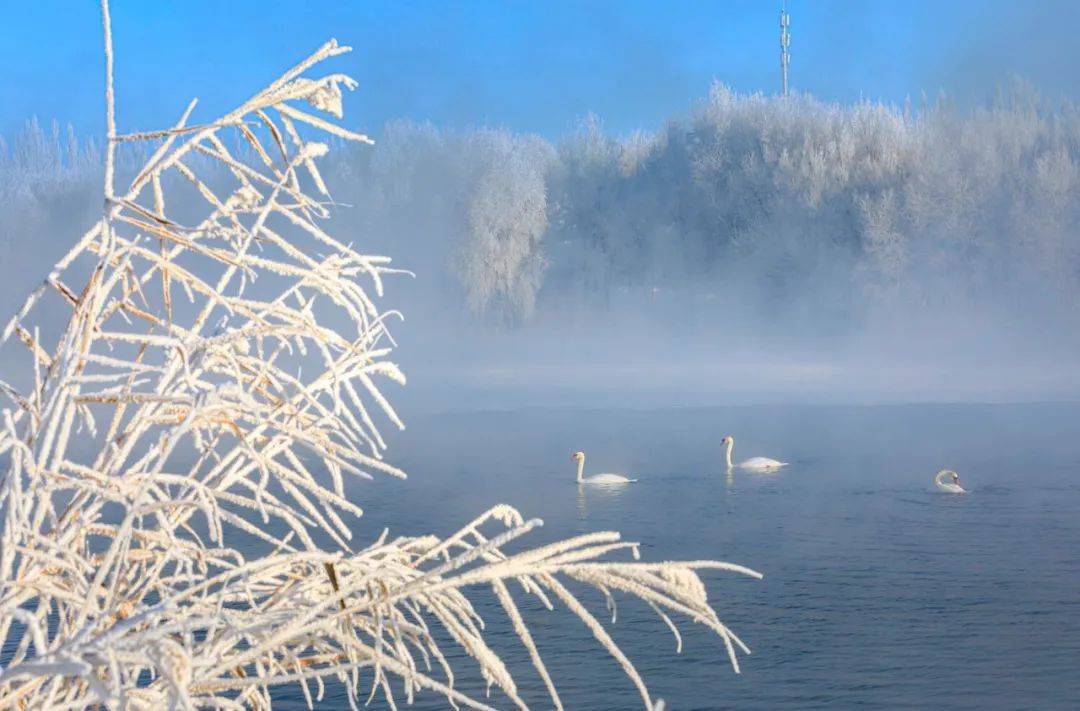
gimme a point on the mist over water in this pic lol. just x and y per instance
(879, 592)
(756, 248)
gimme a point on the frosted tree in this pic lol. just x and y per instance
(500, 262)
(48, 179)
(174, 519)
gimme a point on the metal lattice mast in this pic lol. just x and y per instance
(785, 43)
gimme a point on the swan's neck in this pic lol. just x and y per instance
(945, 481)
(580, 468)
(730, 446)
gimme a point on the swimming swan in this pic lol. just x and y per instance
(758, 464)
(579, 457)
(948, 480)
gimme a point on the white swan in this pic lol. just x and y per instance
(948, 480)
(579, 457)
(758, 464)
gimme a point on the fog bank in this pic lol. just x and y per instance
(757, 248)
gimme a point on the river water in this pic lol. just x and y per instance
(879, 592)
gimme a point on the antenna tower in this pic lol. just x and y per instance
(785, 43)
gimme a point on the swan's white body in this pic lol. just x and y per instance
(758, 464)
(761, 463)
(579, 457)
(949, 482)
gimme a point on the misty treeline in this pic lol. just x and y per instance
(49, 179)
(768, 206)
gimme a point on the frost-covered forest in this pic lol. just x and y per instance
(820, 219)
(781, 199)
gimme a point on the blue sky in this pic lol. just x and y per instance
(529, 66)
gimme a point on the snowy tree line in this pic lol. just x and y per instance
(45, 174)
(783, 200)
(785, 204)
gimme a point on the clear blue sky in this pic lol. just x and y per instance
(529, 66)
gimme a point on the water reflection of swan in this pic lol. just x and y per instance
(579, 457)
(758, 464)
(948, 480)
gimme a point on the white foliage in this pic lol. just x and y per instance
(786, 197)
(175, 512)
(500, 262)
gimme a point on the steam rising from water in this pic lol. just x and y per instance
(758, 247)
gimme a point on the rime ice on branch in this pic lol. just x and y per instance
(214, 386)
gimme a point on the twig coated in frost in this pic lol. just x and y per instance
(161, 437)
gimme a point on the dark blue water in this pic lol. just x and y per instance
(878, 591)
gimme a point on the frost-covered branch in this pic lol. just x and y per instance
(175, 509)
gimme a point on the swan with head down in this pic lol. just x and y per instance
(757, 464)
(579, 457)
(949, 481)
